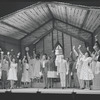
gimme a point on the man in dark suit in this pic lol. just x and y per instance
(45, 70)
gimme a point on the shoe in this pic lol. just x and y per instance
(45, 87)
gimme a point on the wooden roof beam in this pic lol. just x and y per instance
(84, 21)
(77, 37)
(41, 37)
(74, 26)
(14, 27)
(36, 29)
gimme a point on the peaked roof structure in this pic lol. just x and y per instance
(35, 21)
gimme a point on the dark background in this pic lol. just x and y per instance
(10, 6)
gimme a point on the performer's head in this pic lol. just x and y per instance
(49, 57)
(87, 54)
(62, 56)
(44, 57)
(13, 60)
(38, 56)
(96, 46)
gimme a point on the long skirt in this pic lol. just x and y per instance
(96, 80)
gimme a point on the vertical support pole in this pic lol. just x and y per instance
(43, 46)
(63, 43)
(57, 37)
(20, 48)
(71, 47)
(52, 41)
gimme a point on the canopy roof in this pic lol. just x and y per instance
(35, 21)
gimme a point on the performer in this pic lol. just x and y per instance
(0, 70)
(44, 70)
(96, 81)
(19, 70)
(25, 75)
(86, 72)
(12, 74)
(50, 68)
(68, 76)
(79, 63)
(37, 66)
(31, 67)
(63, 70)
(4, 67)
(70, 73)
(74, 71)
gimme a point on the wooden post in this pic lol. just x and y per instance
(43, 46)
(71, 47)
(63, 43)
(52, 41)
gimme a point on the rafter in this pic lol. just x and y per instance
(84, 21)
(41, 37)
(14, 27)
(36, 29)
(49, 10)
(77, 37)
(73, 26)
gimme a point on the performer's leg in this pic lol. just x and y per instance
(87, 84)
(64, 80)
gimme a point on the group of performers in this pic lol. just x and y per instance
(83, 72)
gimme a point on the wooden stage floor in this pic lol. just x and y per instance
(51, 91)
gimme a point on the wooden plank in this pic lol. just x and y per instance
(36, 24)
(36, 29)
(92, 21)
(15, 23)
(41, 37)
(74, 26)
(77, 37)
(43, 47)
(50, 12)
(60, 13)
(63, 43)
(40, 13)
(52, 41)
(96, 22)
(14, 27)
(44, 13)
(84, 21)
(36, 16)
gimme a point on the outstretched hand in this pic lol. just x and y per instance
(96, 37)
(79, 46)
(73, 47)
(87, 48)
(8, 53)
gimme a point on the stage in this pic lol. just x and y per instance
(51, 91)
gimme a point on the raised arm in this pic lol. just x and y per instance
(9, 57)
(80, 52)
(28, 57)
(75, 52)
(23, 60)
(89, 50)
(2, 57)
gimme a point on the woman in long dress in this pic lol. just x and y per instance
(37, 66)
(96, 81)
(25, 74)
(12, 73)
(31, 67)
(86, 73)
(78, 65)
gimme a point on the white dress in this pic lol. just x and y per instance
(12, 74)
(25, 74)
(0, 71)
(86, 71)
